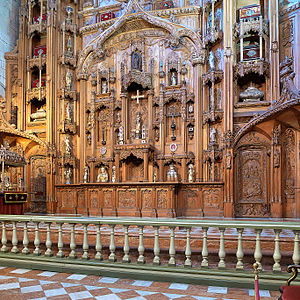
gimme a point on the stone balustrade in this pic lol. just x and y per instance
(16, 241)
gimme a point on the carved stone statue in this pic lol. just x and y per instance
(69, 45)
(173, 78)
(228, 160)
(136, 61)
(118, 117)
(86, 177)
(138, 125)
(172, 174)
(68, 112)
(68, 175)
(113, 174)
(68, 80)
(103, 175)
(213, 135)
(39, 115)
(68, 148)
(191, 173)
(121, 135)
(154, 175)
(212, 61)
(104, 87)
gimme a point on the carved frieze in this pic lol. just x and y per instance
(37, 27)
(37, 61)
(162, 199)
(257, 66)
(251, 25)
(107, 198)
(127, 199)
(36, 93)
(213, 76)
(212, 116)
(142, 78)
(211, 198)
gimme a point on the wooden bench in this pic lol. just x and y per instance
(289, 292)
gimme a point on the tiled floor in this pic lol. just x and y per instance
(32, 284)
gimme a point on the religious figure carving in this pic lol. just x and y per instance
(68, 148)
(103, 175)
(104, 87)
(68, 112)
(136, 61)
(213, 135)
(172, 174)
(69, 45)
(228, 160)
(113, 174)
(154, 175)
(68, 80)
(86, 177)
(121, 135)
(118, 117)
(173, 78)
(138, 125)
(68, 175)
(212, 61)
(276, 158)
(191, 173)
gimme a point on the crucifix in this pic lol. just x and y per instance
(138, 97)
(173, 125)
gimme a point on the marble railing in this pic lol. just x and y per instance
(17, 242)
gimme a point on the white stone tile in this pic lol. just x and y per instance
(138, 298)
(145, 293)
(47, 274)
(21, 279)
(142, 283)
(20, 271)
(92, 287)
(108, 297)
(80, 295)
(31, 289)
(46, 282)
(203, 298)
(173, 296)
(9, 286)
(66, 284)
(55, 292)
(76, 277)
(1, 268)
(5, 277)
(44, 298)
(108, 280)
(118, 290)
(217, 289)
(262, 293)
(178, 286)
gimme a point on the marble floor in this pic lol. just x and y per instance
(33, 284)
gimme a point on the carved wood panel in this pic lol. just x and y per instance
(162, 199)
(107, 198)
(127, 199)
(146, 198)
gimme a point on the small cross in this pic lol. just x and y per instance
(138, 97)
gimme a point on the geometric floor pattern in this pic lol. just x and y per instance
(33, 284)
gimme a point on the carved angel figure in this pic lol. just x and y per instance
(68, 148)
(86, 174)
(68, 80)
(191, 173)
(103, 175)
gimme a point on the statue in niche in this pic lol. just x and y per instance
(213, 135)
(69, 45)
(68, 148)
(218, 20)
(68, 112)
(191, 173)
(211, 61)
(68, 80)
(118, 117)
(209, 21)
(103, 175)
(172, 174)
(68, 175)
(154, 175)
(219, 58)
(89, 139)
(173, 78)
(104, 87)
(121, 135)
(113, 174)
(228, 160)
(86, 177)
(276, 158)
(138, 125)
(136, 61)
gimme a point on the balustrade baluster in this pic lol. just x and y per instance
(4, 238)
(126, 257)
(296, 255)
(60, 243)
(239, 252)
(257, 252)
(37, 250)
(141, 249)
(14, 239)
(72, 243)
(222, 253)
(188, 253)
(85, 245)
(25, 239)
(172, 251)
(98, 255)
(277, 255)
(156, 260)
(48, 242)
(112, 246)
(204, 263)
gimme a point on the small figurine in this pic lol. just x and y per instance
(68, 80)
(69, 45)
(68, 175)
(68, 148)
(138, 125)
(68, 113)
(103, 175)
(86, 174)
(173, 79)
(121, 135)
(213, 135)
(104, 87)
(212, 61)
(154, 175)
(172, 175)
(113, 174)
(191, 173)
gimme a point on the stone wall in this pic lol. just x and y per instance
(9, 19)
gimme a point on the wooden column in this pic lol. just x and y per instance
(117, 164)
(146, 166)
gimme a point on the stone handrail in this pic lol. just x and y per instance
(17, 223)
